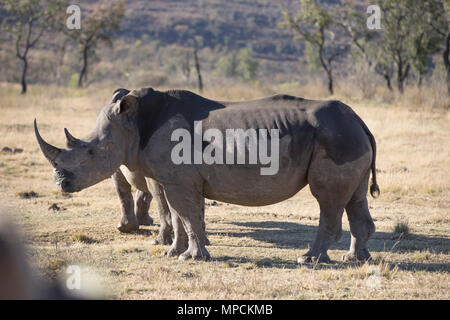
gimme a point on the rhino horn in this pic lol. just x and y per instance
(71, 140)
(49, 151)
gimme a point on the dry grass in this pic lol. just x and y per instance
(254, 249)
(401, 228)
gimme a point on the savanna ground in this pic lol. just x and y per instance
(254, 249)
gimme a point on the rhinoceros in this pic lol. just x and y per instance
(323, 144)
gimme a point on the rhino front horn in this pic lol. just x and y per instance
(71, 140)
(49, 151)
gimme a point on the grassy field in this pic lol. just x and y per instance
(254, 249)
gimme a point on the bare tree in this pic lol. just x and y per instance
(61, 48)
(27, 22)
(98, 27)
(315, 23)
(446, 57)
(365, 42)
(440, 23)
(199, 74)
(408, 41)
(186, 66)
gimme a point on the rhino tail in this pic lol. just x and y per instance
(374, 189)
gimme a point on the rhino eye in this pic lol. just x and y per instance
(90, 152)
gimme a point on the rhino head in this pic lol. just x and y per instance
(96, 157)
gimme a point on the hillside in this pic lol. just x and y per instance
(156, 38)
(228, 25)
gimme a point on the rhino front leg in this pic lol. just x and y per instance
(165, 231)
(187, 205)
(142, 205)
(129, 222)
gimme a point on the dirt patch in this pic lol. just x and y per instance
(28, 195)
(11, 150)
(80, 237)
(55, 207)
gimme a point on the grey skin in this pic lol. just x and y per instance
(135, 213)
(322, 143)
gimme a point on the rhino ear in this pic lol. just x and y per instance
(127, 104)
(119, 94)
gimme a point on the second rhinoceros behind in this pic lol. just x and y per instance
(321, 143)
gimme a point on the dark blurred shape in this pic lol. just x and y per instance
(17, 281)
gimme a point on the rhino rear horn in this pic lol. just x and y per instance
(49, 151)
(71, 140)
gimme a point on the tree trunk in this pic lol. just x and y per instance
(24, 75)
(186, 67)
(400, 77)
(199, 75)
(419, 80)
(400, 85)
(446, 56)
(448, 82)
(61, 52)
(329, 73)
(388, 81)
(385, 74)
(326, 68)
(330, 82)
(83, 72)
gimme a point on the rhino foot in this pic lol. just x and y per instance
(362, 255)
(175, 250)
(196, 254)
(163, 239)
(128, 225)
(144, 220)
(171, 252)
(314, 258)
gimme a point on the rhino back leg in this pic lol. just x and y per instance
(165, 230)
(180, 242)
(203, 222)
(128, 221)
(142, 205)
(361, 223)
(333, 185)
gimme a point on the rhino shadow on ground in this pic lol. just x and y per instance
(144, 232)
(290, 235)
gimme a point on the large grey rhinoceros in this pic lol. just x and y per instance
(320, 143)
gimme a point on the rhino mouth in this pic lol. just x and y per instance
(64, 180)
